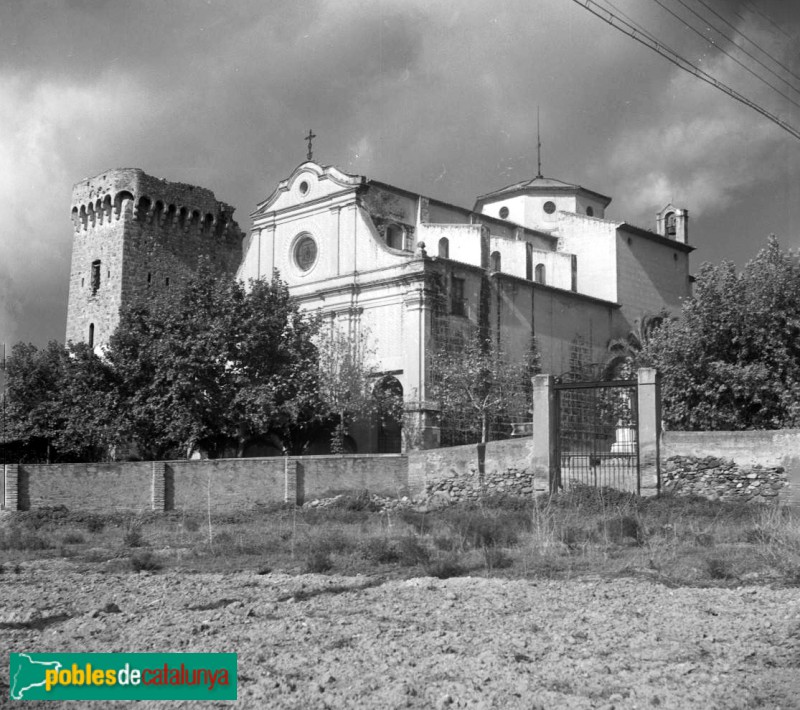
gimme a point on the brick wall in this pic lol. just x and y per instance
(231, 484)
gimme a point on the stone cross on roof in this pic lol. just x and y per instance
(309, 138)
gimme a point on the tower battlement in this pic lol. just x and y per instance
(135, 235)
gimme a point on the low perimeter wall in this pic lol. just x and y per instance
(761, 465)
(749, 465)
(229, 484)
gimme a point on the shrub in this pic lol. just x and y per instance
(15, 538)
(318, 561)
(496, 558)
(358, 501)
(417, 520)
(145, 562)
(95, 524)
(719, 568)
(412, 552)
(379, 550)
(446, 567)
(132, 537)
(73, 539)
(618, 528)
(191, 525)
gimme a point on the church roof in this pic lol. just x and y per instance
(541, 184)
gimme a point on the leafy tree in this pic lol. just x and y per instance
(348, 385)
(732, 361)
(623, 353)
(60, 396)
(213, 362)
(477, 385)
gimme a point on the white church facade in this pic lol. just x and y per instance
(535, 259)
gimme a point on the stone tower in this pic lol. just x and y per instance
(135, 235)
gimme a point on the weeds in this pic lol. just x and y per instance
(145, 561)
(132, 536)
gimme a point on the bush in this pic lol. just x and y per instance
(446, 567)
(145, 562)
(719, 568)
(73, 539)
(495, 558)
(417, 520)
(132, 537)
(618, 528)
(95, 524)
(318, 561)
(412, 552)
(379, 550)
(358, 501)
(15, 538)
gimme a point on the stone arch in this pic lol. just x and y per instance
(76, 218)
(91, 336)
(123, 203)
(389, 393)
(208, 223)
(444, 248)
(496, 261)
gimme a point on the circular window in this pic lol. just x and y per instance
(549, 207)
(305, 252)
(503, 212)
(303, 187)
(590, 212)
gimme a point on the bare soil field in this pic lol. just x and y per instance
(419, 610)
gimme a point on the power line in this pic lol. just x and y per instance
(610, 18)
(743, 35)
(761, 14)
(727, 53)
(738, 46)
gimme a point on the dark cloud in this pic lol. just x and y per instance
(439, 97)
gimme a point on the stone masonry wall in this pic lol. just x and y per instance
(714, 477)
(148, 235)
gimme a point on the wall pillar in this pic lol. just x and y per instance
(290, 481)
(648, 395)
(11, 486)
(158, 486)
(543, 459)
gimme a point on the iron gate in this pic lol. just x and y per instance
(597, 435)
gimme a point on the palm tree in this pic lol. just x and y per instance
(624, 352)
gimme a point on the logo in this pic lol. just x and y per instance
(123, 676)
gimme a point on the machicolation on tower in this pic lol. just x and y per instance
(135, 235)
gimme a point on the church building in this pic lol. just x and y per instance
(537, 259)
(536, 265)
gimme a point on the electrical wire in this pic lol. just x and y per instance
(733, 42)
(761, 14)
(742, 34)
(727, 53)
(679, 61)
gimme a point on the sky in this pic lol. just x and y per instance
(438, 97)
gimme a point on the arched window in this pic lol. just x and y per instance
(539, 276)
(669, 220)
(496, 260)
(444, 248)
(529, 262)
(394, 236)
(389, 393)
(91, 335)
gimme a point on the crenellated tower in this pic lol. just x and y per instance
(136, 235)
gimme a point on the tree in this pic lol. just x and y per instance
(61, 396)
(211, 363)
(349, 388)
(732, 361)
(477, 386)
(623, 353)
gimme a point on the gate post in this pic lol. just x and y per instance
(648, 396)
(545, 431)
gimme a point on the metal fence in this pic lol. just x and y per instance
(598, 435)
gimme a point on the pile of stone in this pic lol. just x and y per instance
(714, 477)
(512, 482)
(363, 501)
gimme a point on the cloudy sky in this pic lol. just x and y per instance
(439, 97)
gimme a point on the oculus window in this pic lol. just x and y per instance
(305, 252)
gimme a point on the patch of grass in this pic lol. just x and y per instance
(95, 524)
(318, 561)
(411, 551)
(145, 561)
(379, 549)
(17, 538)
(73, 538)
(132, 535)
(446, 567)
(719, 568)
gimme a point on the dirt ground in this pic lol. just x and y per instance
(319, 641)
